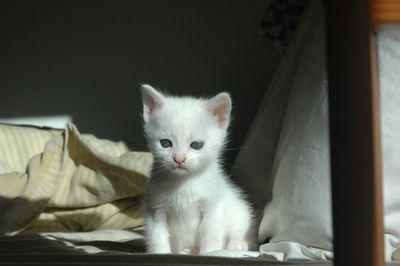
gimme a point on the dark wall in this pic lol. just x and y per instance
(87, 58)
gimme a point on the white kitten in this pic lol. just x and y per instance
(191, 206)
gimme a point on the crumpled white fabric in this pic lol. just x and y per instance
(287, 250)
(392, 248)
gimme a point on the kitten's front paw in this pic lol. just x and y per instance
(159, 251)
(189, 251)
(238, 245)
(209, 248)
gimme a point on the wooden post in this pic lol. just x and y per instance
(385, 11)
(354, 134)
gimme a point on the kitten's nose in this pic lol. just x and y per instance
(179, 160)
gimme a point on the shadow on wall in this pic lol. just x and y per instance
(88, 58)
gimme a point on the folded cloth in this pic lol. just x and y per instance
(287, 250)
(64, 181)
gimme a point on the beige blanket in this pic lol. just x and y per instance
(64, 181)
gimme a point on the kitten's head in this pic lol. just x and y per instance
(185, 134)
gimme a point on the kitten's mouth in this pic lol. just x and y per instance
(180, 167)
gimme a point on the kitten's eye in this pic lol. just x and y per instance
(197, 145)
(165, 143)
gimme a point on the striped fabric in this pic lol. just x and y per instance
(63, 181)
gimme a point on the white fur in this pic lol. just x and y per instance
(194, 209)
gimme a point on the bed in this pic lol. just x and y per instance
(76, 199)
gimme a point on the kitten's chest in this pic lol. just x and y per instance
(186, 198)
(184, 204)
(184, 215)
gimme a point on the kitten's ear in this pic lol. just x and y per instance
(221, 106)
(152, 100)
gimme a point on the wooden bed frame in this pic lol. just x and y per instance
(355, 128)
